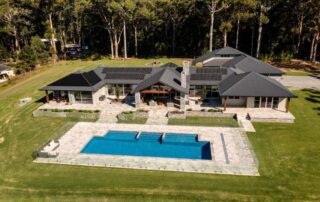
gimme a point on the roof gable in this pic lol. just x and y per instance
(166, 76)
(218, 52)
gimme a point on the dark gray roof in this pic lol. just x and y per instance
(166, 76)
(218, 52)
(79, 81)
(126, 75)
(252, 84)
(4, 67)
(247, 63)
(216, 62)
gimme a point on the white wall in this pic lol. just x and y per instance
(282, 104)
(250, 102)
(241, 102)
(97, 94)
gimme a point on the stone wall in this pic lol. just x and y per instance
(132, 115)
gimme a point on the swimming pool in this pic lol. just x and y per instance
(149, 144)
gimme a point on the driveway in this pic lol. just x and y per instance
(300, 82)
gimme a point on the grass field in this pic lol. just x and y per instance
(288, 155)
(205, 121)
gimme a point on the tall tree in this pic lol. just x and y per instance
(50, 9)
(225, 27)
(315, 29)
(214, 7)
(177, 11)
(142, 14)
(14, 18)
(243, 10)
(262, 19)
(79, 9)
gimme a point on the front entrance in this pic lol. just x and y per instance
(160, 97)
(266, 102)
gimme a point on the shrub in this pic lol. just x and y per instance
(189, 110)
(214, 110)
(203, 110)
(27, 59)
(40, 50)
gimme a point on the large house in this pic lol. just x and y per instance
(226, 77)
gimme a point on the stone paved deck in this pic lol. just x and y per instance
(235, 145)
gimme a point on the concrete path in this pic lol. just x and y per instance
(157, 117)
(299, 82)
(245, 123)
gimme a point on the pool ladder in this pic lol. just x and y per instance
(139, 133)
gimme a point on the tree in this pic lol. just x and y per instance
(177, 12)
(243, 10)
(79, 8)
(40, 50)
(13, 17)
(225, 27)
(4, 53)
(142, 14)
(50, 9)
(214, 7)
(263, 19)
(315, 29)
(301, 8)
(27, 59)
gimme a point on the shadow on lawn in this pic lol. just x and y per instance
(314, 97)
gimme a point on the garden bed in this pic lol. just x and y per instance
(68, 113)
(134, 117)
(205, 121)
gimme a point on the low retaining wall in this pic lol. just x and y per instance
(131, 116)
(175, 115)
(272, 120)
(74, 114)
(209, 114)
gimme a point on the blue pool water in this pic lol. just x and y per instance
(149, 144)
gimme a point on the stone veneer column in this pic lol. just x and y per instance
(182, 101)
(137, 99)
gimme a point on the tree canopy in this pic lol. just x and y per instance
(173, 28)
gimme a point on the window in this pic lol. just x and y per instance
(236, 97)
(83, 97)
(256, 102)
(231, 97)
(263, 102)
(269, 102)
(275, 102)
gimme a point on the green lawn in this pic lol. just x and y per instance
(297, 73)
(288, 156)
(204, 121)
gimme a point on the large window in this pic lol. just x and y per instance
(83, 97)
(266, 102)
